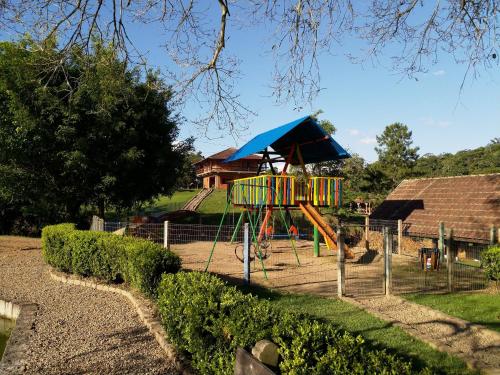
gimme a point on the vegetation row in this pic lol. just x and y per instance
(208, 319)
(107, 256)
(490, 261)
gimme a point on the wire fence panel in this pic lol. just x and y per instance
(295, 268)
(149, 231)
(422, 269)
(273, 264)
(292, 265)
(467, 272)
(364, 274)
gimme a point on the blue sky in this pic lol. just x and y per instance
(362, 99)
(359, 99)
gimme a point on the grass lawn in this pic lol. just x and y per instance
(162, 204)
(214, 203)
(481, 308)
(175, 202)
(376, 332)
(212, 208)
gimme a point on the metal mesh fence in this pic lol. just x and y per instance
(277, 263)
(149, 231)
(421, 267)
(414, 268)
(293, 266)
(364, 272)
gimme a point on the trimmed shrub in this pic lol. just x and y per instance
(107, 256)
(208, 319)
(490, 260)
(145, 262)
(55, 246)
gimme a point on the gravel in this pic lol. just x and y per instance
(473, 343)
(77, 330)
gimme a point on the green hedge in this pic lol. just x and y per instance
(107, 256)
(490, 260)
(208, 319)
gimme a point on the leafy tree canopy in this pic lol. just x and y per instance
(395, 152)
(91, 133)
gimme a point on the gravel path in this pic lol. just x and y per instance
(77, 330)
(475, 344)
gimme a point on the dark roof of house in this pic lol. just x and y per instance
(468, 204)
(224, 154)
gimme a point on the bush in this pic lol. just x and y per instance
(107, 256)
(55, 246)
(490, 260)
(208, 319)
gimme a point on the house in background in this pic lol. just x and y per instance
(217, 174)
(470, 205)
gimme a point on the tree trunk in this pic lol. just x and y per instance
(101, 208)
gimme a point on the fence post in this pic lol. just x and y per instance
(441, 234)
(493, 235)
(450, 258)
(166, 243)
(367, 231)
(316, 241)
(400, 235)
(388, 242)
(340, 263)
(246, 255)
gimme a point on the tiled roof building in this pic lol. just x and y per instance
(468, 204)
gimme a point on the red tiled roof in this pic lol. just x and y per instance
(224, 154)
(468, 204)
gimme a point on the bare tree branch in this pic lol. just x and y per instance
(203, 72)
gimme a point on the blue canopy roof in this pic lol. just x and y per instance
(315, 145)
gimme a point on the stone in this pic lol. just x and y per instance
(246, 364)
(267, 352)
(121, 231)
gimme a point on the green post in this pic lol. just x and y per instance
(238, 225)
(316, 242)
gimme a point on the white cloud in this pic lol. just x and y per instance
(368, 140)
(429, 121)
(439, 72)
(354, 132)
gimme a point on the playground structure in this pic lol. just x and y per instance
(297, 143)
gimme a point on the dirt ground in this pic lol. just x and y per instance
(316, 275)
(364, 274)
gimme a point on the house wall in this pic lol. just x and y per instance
(217, 174)
(221, 180)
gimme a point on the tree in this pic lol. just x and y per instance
(396, 155)
(187, 174)
(106, 141)
(415, 33)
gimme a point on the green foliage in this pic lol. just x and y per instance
(490, 261)
(107, 256)
(55, 246)
(395, 152)
(208, 319)
(89, 131)
(187, 172)
(478, 161)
